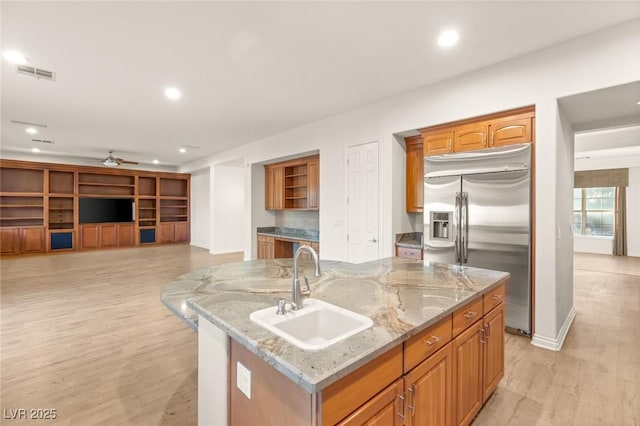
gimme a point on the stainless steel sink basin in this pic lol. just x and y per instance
(317, 325)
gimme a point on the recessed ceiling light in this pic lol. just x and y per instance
(183, 150)
(15, 57)
(638, 103)
(156, 161)
(35, 150)
(448, 38)
(31, 130)
(172, 93)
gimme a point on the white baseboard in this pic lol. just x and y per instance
(555, 344)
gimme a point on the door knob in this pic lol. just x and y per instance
(373, 240)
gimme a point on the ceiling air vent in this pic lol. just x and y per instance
(38, 73)
(42, 141)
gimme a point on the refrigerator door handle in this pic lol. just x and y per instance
(465, 227)
(458, 219)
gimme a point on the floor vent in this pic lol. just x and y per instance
(42, 141)
(38, 73)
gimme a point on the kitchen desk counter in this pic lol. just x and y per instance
(401, 296)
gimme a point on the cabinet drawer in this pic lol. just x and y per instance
(467, 315)
(493, 298)
(265, 239)
(411, 253)
(423, 344)
(347, 394)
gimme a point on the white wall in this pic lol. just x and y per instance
(592, 244)
(633, 213)
(200, 208)
(539, 78)
(228, 199)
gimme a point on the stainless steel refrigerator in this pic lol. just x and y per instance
(477, 213)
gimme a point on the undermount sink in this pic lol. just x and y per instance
(317, 325)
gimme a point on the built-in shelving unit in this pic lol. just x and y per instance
(39, 207)
(293, 184)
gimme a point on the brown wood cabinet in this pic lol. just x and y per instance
(493, 356)
(293, 184)
(266, 247)
(173, 232)
(437, 142)
(414, 174)
(383, 409)
(39, 206)
(467, 362)
(428, 391)
(22, 240)
(274, 188)
(489, 131)
(470, 137)
(409, 253)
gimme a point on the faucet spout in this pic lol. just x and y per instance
(296, 290)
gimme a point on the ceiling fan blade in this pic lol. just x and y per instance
(120, 160)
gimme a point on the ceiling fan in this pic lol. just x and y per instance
(112, 161)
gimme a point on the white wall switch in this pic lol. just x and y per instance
(243, 379)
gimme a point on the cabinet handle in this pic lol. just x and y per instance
(412, 407)
(401, 411)
(488, 330)
(449, 146)
(483, 335)
(484, 139)
(492, 132)
(432, 340)
(496, 296)
(470, 314)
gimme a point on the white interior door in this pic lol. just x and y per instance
(362, 202)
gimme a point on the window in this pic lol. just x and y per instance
(593, 211)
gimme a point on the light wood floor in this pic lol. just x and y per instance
(595, 378)
(86, 334)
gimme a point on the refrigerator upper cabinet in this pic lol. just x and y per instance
(440, 218)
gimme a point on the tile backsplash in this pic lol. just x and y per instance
(298, 219)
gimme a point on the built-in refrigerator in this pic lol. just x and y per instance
(477, 213)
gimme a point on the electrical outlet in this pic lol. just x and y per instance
(243, 379)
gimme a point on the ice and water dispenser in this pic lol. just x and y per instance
(441, 226)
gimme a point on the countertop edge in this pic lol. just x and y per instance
(290, 237)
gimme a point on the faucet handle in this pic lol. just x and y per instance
(307, 290)
(282, 306)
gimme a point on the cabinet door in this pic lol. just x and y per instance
(467, 375)
(108, 236)
(270, 252)
(470, 136)
(165, 233)
(415, 175)
(274, 188)
(510, 130)
(32, 240)
(9, 240)
(493, 351)
(384, 409)
(313, 184)
(428, 391)
(89, 236)
(437, 143)
(181, 232)
(126, 235)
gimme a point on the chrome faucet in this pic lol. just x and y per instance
(296, 291)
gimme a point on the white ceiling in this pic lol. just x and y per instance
(247, 70)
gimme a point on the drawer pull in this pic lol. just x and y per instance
(432, 340)
(470, 314)
(496, 296)
(412, 406)
(401, 411)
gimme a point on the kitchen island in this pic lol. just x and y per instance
(420, 310)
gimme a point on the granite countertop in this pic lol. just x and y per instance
(290, 233)
(409, 240)
(401, 296)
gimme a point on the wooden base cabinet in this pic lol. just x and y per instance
(428, 391)
(478, 359)
(173, 232)
(386, 409)
(22, 240)
(107, 235)
(266, 247)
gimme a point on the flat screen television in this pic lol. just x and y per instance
(99, 210)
